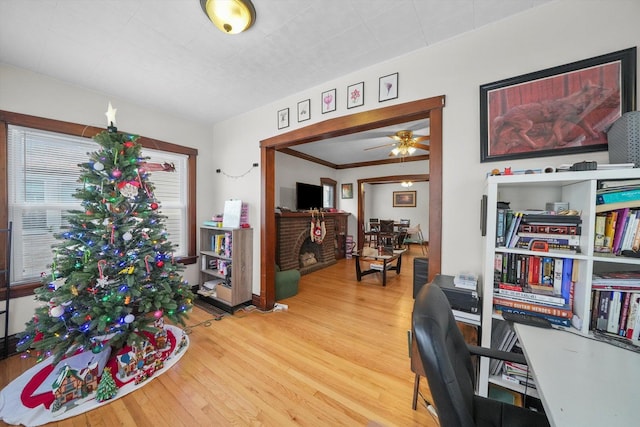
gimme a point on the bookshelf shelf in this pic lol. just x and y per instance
(225, 266)
(532, 192)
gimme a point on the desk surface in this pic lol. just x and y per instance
(581, 381)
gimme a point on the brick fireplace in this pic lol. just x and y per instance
(293, 231)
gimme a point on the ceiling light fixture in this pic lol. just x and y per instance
(406, 184)
(230, 16)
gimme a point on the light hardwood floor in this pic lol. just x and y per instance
(337, 357)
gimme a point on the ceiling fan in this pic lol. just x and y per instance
(405, 145)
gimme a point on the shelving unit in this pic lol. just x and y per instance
(226, 267)
(532, 191)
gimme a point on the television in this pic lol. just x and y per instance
(308, 196)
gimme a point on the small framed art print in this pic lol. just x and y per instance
(304, 112)
(283, 118)
(388, 87)
(329, 101)
(355, 95)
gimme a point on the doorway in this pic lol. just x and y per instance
(430, 108)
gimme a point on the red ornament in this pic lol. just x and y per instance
(160, 264)
(128, 144)
(154, 206)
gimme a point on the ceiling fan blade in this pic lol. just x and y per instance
(380, 146)
(421, 138)
(421, 147)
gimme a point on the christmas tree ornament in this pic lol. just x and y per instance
(127, 236)
(98, 166)
(154, 206)
(116, 173)
(56, 311)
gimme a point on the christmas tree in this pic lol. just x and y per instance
(107, 388)
(113, 272)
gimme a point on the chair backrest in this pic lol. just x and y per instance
(445, 357)
(386, 226)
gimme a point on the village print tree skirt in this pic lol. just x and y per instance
(47, 393)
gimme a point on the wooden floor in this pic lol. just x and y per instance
(338, 356)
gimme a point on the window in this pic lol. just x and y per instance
(42, 174)
(328, 192)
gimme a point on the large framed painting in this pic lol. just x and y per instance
(560, 110)
(404, 199)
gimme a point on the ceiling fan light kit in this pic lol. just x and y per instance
(230, 16)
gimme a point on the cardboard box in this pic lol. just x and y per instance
(223, 292)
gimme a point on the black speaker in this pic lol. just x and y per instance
(420, 273)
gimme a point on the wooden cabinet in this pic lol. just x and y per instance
(341, 227)
(226, 266)
(526, 192)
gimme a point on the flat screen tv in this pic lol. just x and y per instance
(308, 196)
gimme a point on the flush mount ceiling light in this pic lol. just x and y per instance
(230, 16)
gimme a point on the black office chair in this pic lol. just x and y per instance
(446, 359)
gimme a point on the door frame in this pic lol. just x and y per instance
(430, 108)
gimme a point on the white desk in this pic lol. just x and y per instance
(581, 381)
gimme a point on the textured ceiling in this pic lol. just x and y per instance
(167, 56)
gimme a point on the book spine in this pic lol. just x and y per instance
(566, 239)
(624, 314)
(557, 275)
(634, 306)
(533, 244)
(621, 223)
(554, 320)
(603, 315)
(614, 312)
(571, 230)
(564, 312)
(618, 196)
(533, 297)
(500, 226)
(609, 229)
(599, 231)
(567, 278)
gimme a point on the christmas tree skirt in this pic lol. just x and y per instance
(77, 384)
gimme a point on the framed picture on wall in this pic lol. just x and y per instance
(347, 191)
(355, 95)
(557, 111)
(328, 101)
(283, 118)
(304, 110)
(404, 199)
(388, 87)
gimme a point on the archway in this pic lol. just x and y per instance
(430, 108)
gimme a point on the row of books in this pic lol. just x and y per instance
(617, 312)
(221, 244)
(504, 338)
(617, 231)
(521, 270)
(616, 195)
(534, 230)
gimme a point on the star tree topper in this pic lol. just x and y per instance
(111, 115)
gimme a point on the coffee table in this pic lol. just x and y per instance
(386, 264)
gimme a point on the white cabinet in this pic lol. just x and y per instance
(533, 191)
(226, 266)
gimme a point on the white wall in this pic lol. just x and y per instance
(553, 34)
